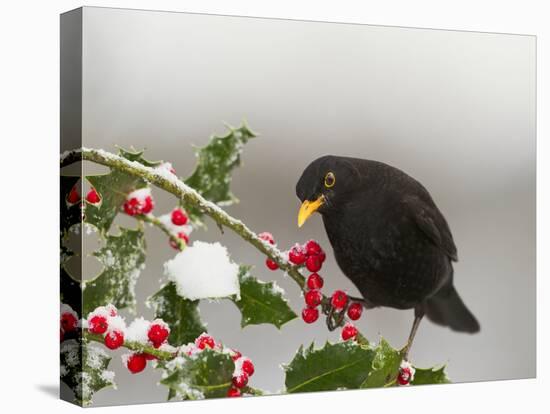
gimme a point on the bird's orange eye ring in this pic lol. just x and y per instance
(330, 180)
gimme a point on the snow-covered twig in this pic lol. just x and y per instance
(134, 346)
(169, 182)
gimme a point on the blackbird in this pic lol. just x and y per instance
(389, 238)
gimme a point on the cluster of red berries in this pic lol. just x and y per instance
(139, 202)
(406, 373)
(68, 322)
(310, 254)
(74, 196)
(244, 368)
(179, 218)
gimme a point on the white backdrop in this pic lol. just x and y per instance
(29, 85)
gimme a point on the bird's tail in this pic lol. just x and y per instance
(447, 309)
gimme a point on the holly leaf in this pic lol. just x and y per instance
(84, 370)
(137, 156)
(182, 315)
(261, 302)
(123, 258)
(204, 375)
(425, 376)
(385, 366)
(343, 365)
(215, 163)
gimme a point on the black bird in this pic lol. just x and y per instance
(388, 236)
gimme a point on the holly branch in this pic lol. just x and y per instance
(134, 346)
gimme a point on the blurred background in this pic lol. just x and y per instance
(456, 110)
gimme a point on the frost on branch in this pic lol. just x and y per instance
(203, 271)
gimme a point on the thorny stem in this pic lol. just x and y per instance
(172, 184)
(134, 346)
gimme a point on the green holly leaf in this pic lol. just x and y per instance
(424, 376)
(134, 155)
(204, 375)
(343, 365)
(261, 302)
(215, 163)
(84, 370)
(182, 315)
(123, 258)
(385, 366)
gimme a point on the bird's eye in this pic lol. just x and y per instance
(330, 179)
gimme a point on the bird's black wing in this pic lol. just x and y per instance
(432, 224)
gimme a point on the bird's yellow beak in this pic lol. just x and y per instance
(308, 208)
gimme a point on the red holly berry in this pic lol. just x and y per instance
(111, 309)
(93, 197)
(313, 298)
(235, 355)
(74, 196)
(132, 207)
(313, 263)
(240, 381)
(310, 315)
(297, 255)
(313, 248)
(271, 265)
(68, 322)
(180, 235)
(205, 340)
(233, 392)
(136, 363)
(148, 205)
(339, 299)
(61, 335)
(98, 324)
(268, 237)
(349, 331)
(355, 310)
(404, 376)
(179, 218)
(114, 339)
(248, 367)
(314, 281)
(158, 333)
(322, 257)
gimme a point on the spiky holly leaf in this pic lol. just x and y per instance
(204, 375)
(182, 315)
(134, 155)
(113, 189)
(261, 302)
(424, 376)
(123, 258)
(385, 366)
(84, 370)
(215, 163)
(343, 365)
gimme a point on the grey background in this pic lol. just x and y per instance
(456, 110)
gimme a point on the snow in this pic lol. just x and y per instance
(137, 331)
(67, 309)
(202, 271)
(116, 324)
(140, 194)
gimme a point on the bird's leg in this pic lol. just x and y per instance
(418, 315)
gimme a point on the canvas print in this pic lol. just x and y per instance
(256, 207)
